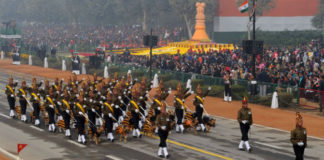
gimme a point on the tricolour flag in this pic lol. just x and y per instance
(244, 6)
(20, 147)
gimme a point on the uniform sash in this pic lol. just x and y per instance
(180, 101)
(67, 104)
(36, 97)
(201, 100)
(109, 106)
(157, 101)
(11, 90)
(136, 106)
(22, 91)
(80, 107)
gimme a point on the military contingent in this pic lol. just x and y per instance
(117, 106)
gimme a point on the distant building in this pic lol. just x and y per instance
(288, 15)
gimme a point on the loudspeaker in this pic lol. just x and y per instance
(147, 39)
(252, 47)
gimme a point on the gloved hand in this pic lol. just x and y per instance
(51, 106)
(136, 110)
(99, 93)
(169, 91)
(244, 121)
(119, 97)
(163, 127)
(110, 115)
(23, 96)
(192, 92)
(80, 113)
(67, 111)
(182, 107)
(12, 95)
(59, 103)
(141, 97)
(100, 102)
(112, 104)
(159, 108)
(116, 106)
(93, 110)
(124, 113)
(201, 105)
(84, 99)
(300, 144)
(84, 106)
(209, 88)
(90, 100)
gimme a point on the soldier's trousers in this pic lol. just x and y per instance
(51, 114)
(36, 110)
(299, 152)
(228, 90)
(92, 121)
(135, 119)
(23, 105)
(163, 134)
(80, 124)
(244, 130)
(66, 118)
(179, 114)
(108, 124)
(199, 112)
(11, 102)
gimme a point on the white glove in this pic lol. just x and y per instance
(51, 106)
(244, 121)
(169, 91)
(112, 104)
(183, 100)
(93, 110)
(119, 97)
(300, 144)
(84, 106)
(182, 107)
(77, 96)
(141, 97)
(90, 100)
(136, 110)
(80, 113)
(57, 92)
(163, 127)
(201, 105)
(146, 92)
(116, 106)
(99, 93)
(159, 108)
(59, 103)
(192, 92)
(110, 115)
(12, 95)
(124, 92)
(100, 102)
(67, 111)
(84, 99)
(23, 96)
(209, 88)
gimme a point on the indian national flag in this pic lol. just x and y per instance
(244, 6)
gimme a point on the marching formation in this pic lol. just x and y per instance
(111, 106)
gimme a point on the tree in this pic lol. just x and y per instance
(318, 20)
(187, 10)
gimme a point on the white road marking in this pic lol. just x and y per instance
(12, 156)
(39, 129)
(269, 145)
(5, 115)
(78, 144)
(113, 157)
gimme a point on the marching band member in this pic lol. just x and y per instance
(65, 110)
(80, 117)
(163, 125)
(179, 105)
(35, 99)
(108, 112)
(244, 117)
(22, 94)
(199, 104)
(11, 96)
(135, 110)
(299, 138)
(50, 106)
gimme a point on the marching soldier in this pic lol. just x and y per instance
(135, 110)
(11, 96)
(199, 105)
(163, 125)
(117, 103)
(92, 105)
(45, 90)
(22, 94)
(36, 101)
(179, 105)
(50, 108)
(108, 112)
(228, 88)
(244, 117)
(299, 138)
(80, 117)
(65, 110)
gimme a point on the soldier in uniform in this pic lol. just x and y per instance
(92, 106)
(35, 100)
(22, 94)
(65, 110)
(50, 106)
(179, 105)
(45, 90)
(135, 110)
(163, 125)
(108, 112)
(228, 88)
(244, 117)
(299, 138)
(199, 105)
(11, 96)
(80, 114)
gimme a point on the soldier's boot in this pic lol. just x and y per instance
(225, 97)
(160, 152)
(53, 128)
(50, 128)
(181, 128)
(166, 154)
(247, 145)
(240, 147)
(12, 113)
(134, 133)
(203, 128)
(83, 139)
(156, 130)
(67, 133)
(229, 99)
(111, 137)
(37, 122)
(115, 125)
(138, 133)
(140, 124)
(177, 128)
(79, 138)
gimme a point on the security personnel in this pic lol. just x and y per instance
(65, 110)
(11, 96)
(80, 115)
(35, 99)
(22, 94)
(50, 105)
(244, 117)
(228, 88)
(163, 125)
(299, 138)
(108, 112)
(179, 105)
(199, 105)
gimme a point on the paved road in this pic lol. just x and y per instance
(220, 143)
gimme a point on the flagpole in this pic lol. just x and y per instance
(253, 54)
